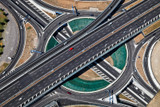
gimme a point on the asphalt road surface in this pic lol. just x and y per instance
(78, 47)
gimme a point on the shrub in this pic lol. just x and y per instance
(1, 50)
(1, 30)
(29, 27)
(6, 20)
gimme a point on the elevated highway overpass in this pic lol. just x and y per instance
(16, 7)
(82, 55)
(67, 45)
(52, 25)
(16, 4)
(100, 18)
(27, 8)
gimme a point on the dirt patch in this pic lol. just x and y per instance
(155, 102)
(139, 62)
(155, 61)
(124, 97)
(133, 4)
(110, 60)
(31, 43)
(90, 75)
(101, 5)
(151, 28)
(50, 14)
(138, 38)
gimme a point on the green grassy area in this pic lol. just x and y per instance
(3, 19)
(79, 24)
(3, 22)
(1, 50)
(85, 85)
(3, 66)
(51, 43)
(119, 57)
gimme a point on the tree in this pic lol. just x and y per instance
(2, 46)
(1, 53)
(1, 30)
(1, 50)
(2, 23)
(5, 14)
(6, 20)
(2, 9)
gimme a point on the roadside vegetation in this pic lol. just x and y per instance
(3, 22)
(3, 67)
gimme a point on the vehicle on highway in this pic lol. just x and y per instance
(58, 13)
(69, 93)
(71, 49)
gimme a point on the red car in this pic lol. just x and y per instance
(70, 49)
(69, 93)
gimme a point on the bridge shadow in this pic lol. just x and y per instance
(87, 68)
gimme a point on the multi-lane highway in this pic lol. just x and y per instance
(51, 27)
(26, 7)
(54, 25)
(20, 20)
(102, 17)
(66, 100)
(83, 50)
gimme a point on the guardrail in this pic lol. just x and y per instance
(89, 61)
(114, 45)
(60, 48)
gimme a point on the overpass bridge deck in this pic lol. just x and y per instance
(90, 52)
